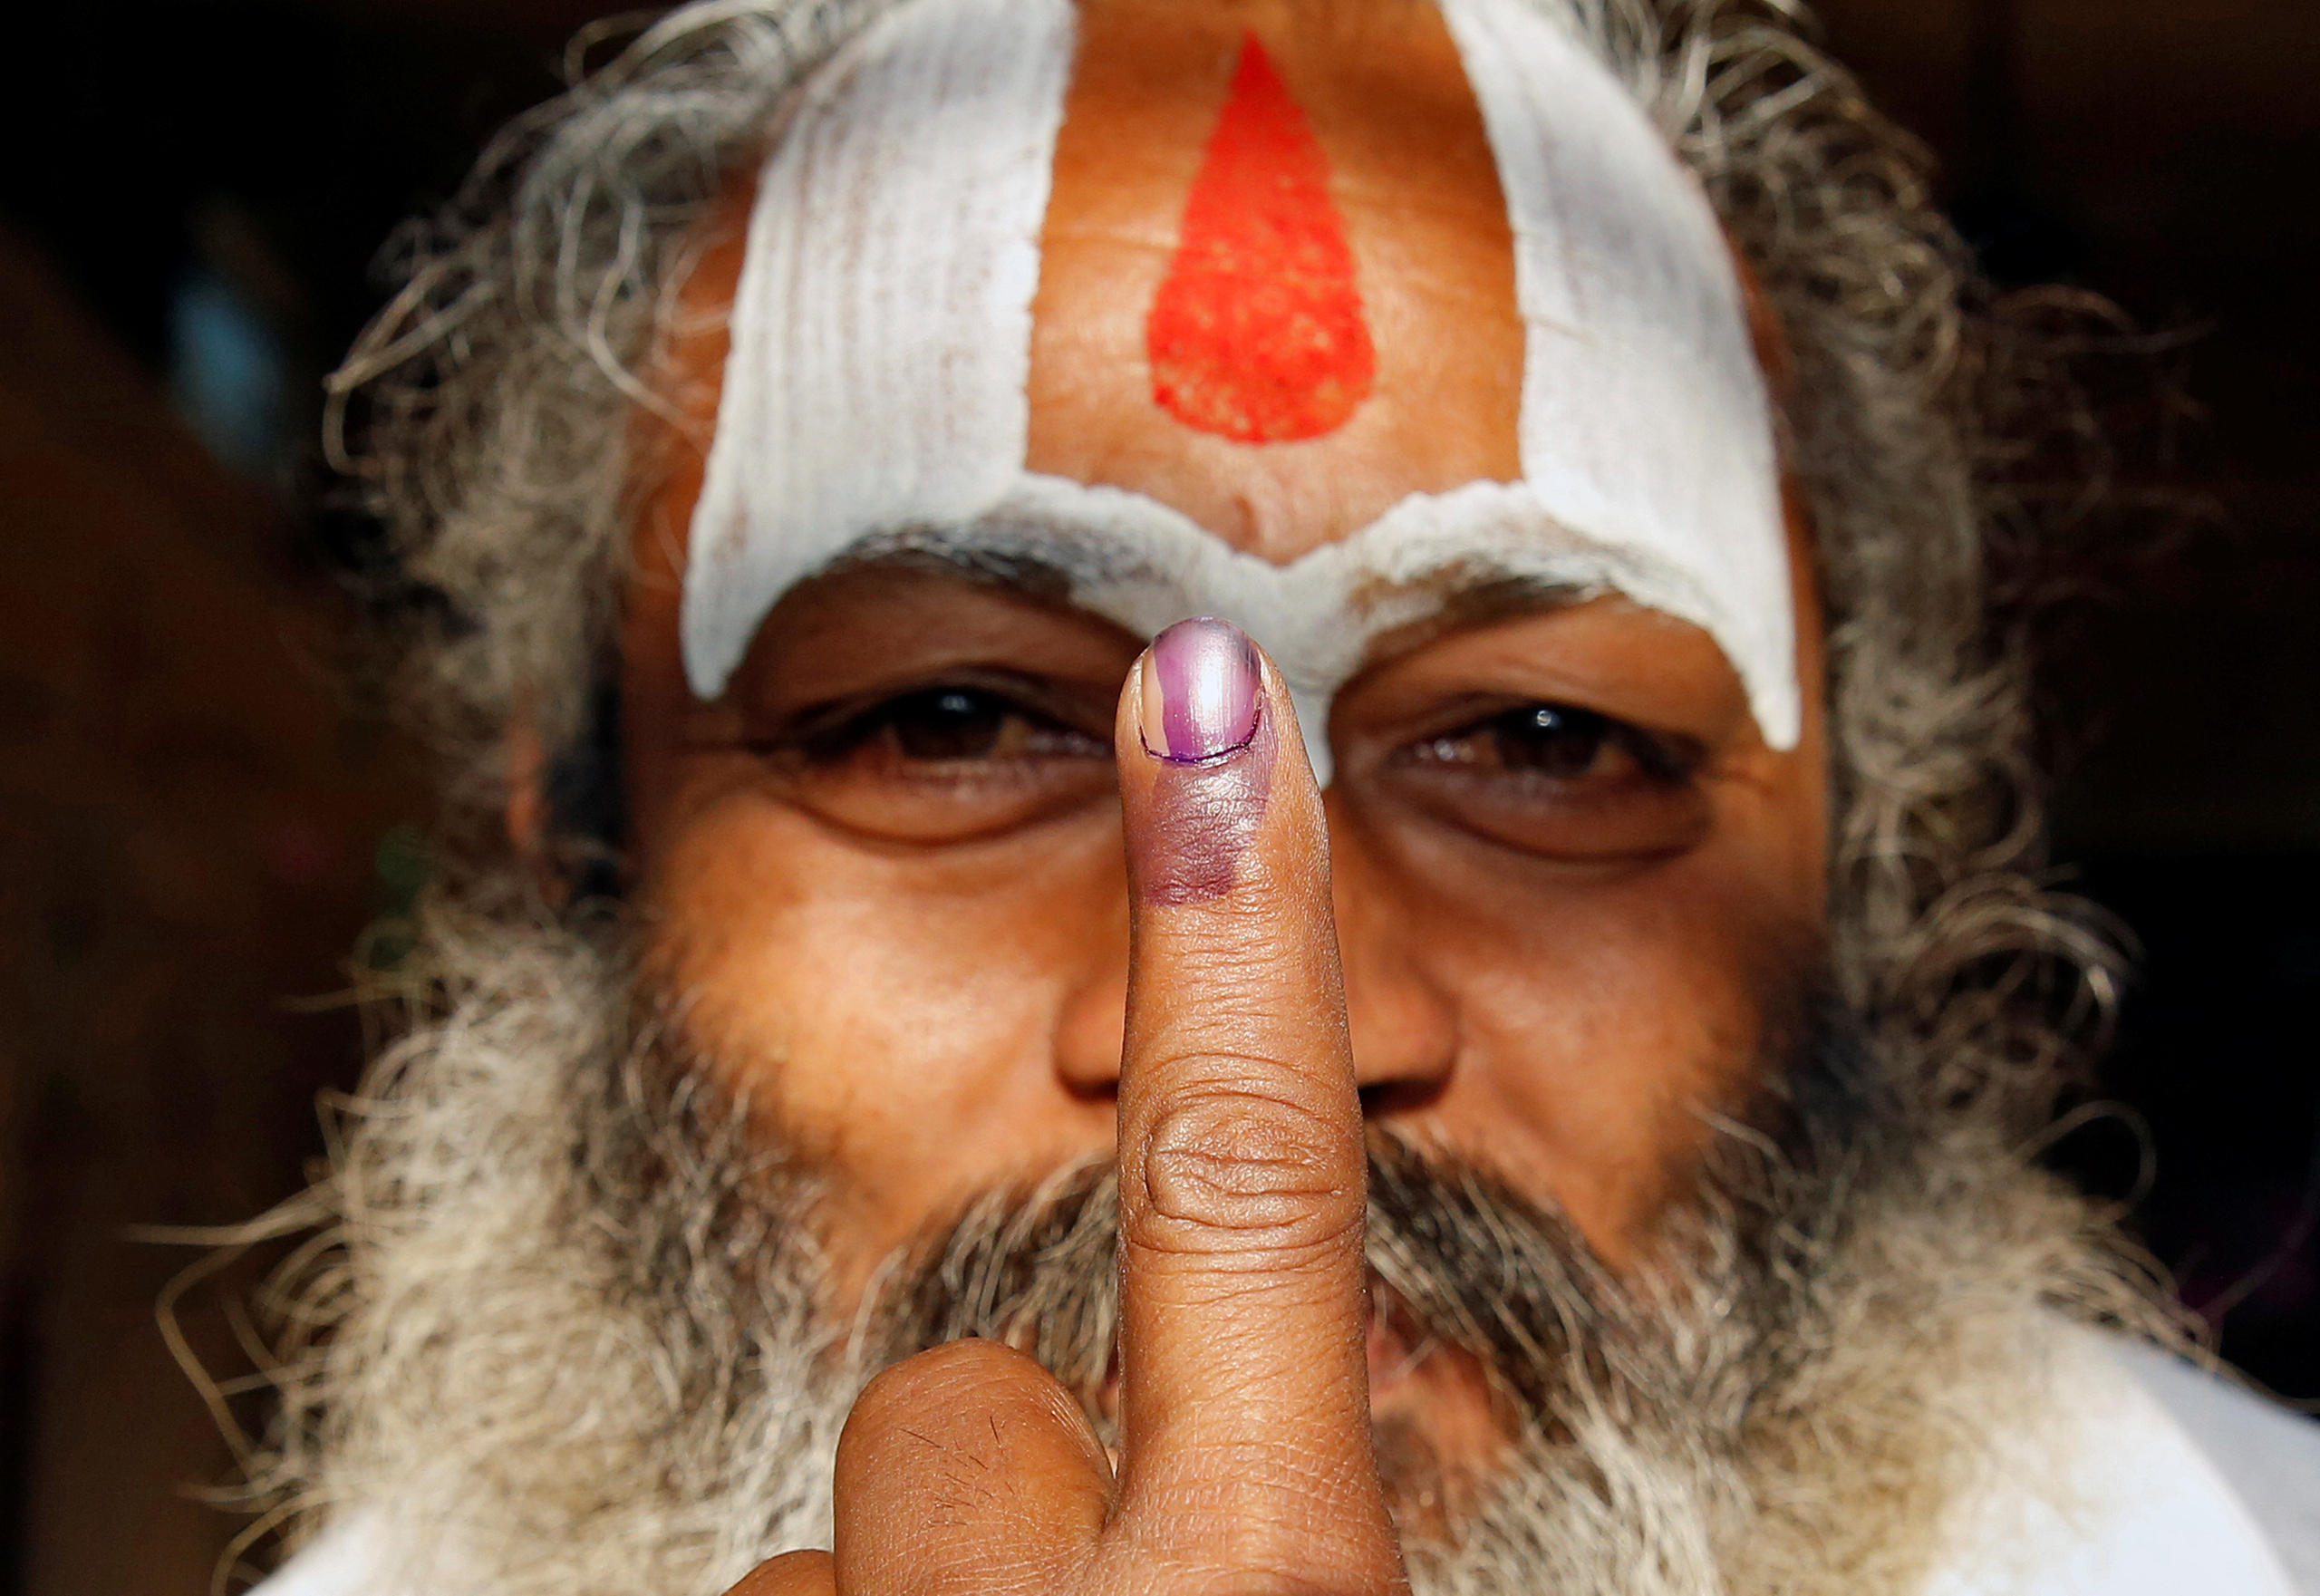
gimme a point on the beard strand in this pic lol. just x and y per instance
(568, 1332)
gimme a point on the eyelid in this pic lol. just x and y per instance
(1664, 756)
(1033, 697)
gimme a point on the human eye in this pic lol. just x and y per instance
(942, 761)
(1557, 742)
(1556, 780)
(945, 726)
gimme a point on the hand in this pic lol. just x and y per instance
(1246, 1462)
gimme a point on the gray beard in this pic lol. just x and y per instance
(567, 1335)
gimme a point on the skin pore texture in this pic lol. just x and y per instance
(1563, 941)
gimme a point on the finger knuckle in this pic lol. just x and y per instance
(1241, 1169)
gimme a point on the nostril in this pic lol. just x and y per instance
(1383, 1097)
(1093, 1088)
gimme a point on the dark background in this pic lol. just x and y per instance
(196, 817)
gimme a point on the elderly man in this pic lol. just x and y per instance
(1227, 812)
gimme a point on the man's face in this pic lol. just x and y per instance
(880, 875)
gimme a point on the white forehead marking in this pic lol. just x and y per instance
(881, 328)
(876, 390)
(1645, 418)
(1144, 565)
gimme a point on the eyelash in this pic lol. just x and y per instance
(1663, 759)
(833, 734)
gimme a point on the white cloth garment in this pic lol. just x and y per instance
(2184, 1484)
(2154, 1498)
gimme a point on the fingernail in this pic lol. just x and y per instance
(1200, 691)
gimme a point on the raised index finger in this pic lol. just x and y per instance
(1244, 1381)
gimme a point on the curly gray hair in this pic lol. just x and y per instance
(486, 414)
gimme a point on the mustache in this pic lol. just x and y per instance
(1462, 1259)
(1457, 1260)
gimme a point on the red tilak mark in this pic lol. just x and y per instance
(1257, 333)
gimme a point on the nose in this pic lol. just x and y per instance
(1404, 1027)
(1092, 1027)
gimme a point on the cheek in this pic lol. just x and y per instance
(1595, 1053)
(1600, 1015)
(894, 1011)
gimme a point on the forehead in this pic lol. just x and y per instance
(1277, 281)
(1018, 275)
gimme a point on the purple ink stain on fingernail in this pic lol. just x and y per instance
(1202, 721)
(1203, 675)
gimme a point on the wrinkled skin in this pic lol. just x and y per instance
(903, 922)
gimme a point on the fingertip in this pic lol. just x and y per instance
(1212, 766)
(793, 1574)
(922, 1453)
(1013, 1391)
(1201, 691)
